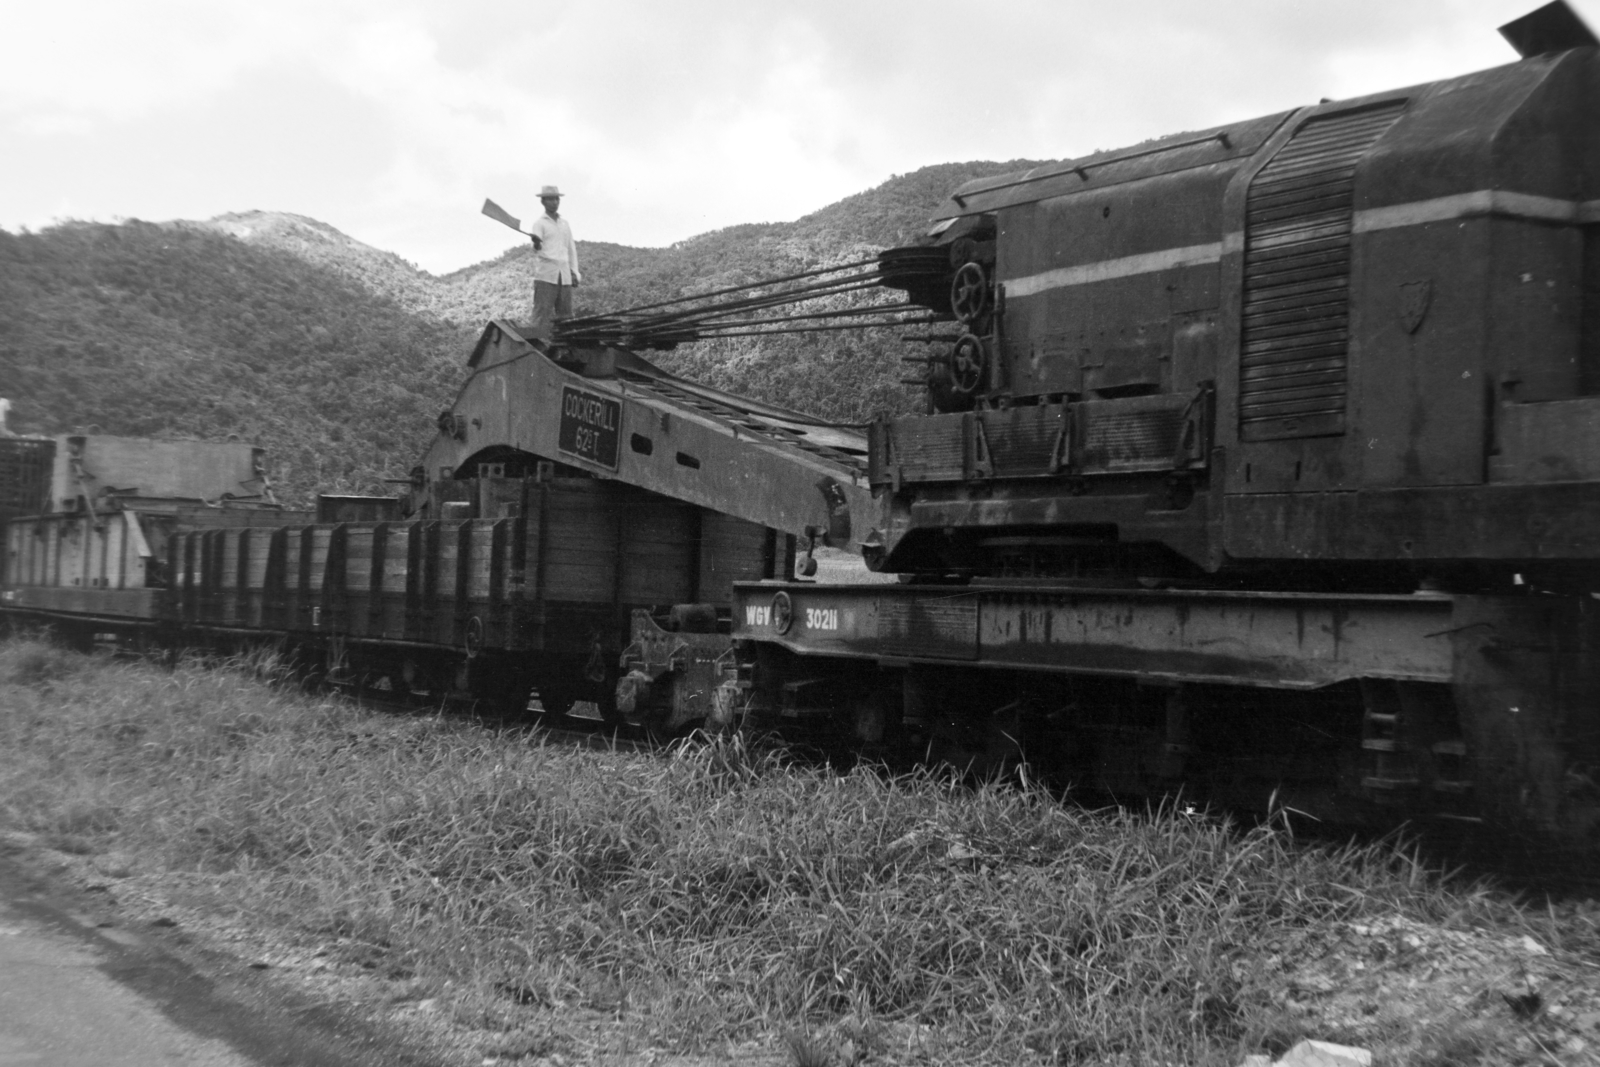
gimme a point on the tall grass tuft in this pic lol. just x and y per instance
(707, 893)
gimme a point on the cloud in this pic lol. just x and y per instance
(45, 124)
(119, 60)
(393, 119)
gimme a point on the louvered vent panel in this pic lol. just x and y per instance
(1130, 440)
(1022, 440)
(1296, 326)
(931, 449)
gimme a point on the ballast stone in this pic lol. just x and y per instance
(1315, 1054)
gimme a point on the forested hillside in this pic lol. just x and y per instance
(337, 356)
(176, 330)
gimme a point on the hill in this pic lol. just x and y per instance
(384, 273)
(336, 355)
(618, 276)
(175, 330)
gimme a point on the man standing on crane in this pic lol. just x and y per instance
(555, 263)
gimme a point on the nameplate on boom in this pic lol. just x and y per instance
(589, 426)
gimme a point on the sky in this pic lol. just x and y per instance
(392, 120)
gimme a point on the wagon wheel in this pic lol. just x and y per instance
(966, 365)
(605, 700)
(502, 689)
(555, 697)
(969, 292)
(601, 674)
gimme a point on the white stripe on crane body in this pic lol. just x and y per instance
(1107, 269)
(1482, 202)
(1441, 209)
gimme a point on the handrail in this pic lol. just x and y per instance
(1082, 169)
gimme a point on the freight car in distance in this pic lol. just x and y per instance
(86, 522)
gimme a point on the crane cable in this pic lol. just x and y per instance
(734, 311)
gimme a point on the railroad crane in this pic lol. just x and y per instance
(1265, 458)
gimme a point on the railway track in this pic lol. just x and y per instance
(578, 728)
(1516, 873)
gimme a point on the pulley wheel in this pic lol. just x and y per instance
(966, 365)
(969, 292)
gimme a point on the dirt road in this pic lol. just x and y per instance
(77, 989)
(59, 1008)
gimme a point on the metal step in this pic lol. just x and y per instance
(1389, 785)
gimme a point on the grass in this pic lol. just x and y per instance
(690, 898)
